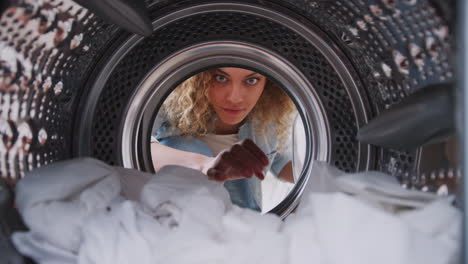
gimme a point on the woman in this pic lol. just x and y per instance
(203, 120)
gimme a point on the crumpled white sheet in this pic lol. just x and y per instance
(379, 222)
(181, 217)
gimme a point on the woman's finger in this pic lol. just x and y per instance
(215, 175)
(230, 166)
(255, 150)
(248, 159)
(238, 166)
(260, 175)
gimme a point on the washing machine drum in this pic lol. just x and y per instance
(72, 84)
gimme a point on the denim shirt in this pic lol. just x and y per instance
(246, 192)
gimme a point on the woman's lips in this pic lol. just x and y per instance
(232, 111)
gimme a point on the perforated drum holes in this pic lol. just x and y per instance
(36, 39)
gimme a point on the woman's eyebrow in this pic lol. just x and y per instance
(227, 74)
(223, 72)
(252, 74)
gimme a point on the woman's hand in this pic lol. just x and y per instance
(242, 160)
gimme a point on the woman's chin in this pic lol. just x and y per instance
(233, 122)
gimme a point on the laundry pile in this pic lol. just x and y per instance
(84, 211)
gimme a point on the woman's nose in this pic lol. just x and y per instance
(235, 94)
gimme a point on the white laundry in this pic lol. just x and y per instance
(377, 221)
(116, 236)
(182, 217)
(349, 230)
(64, 194)
(41, 250)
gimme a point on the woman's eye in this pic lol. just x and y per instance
(252, 81)
(220, 78)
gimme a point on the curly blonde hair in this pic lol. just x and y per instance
(188, 108)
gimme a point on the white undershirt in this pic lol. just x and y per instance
(218, 143)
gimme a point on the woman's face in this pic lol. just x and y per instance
(234, 93)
